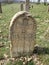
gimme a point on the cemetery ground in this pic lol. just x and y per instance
(41, 15)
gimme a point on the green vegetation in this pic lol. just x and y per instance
(41, 15)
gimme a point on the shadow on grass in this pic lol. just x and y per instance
(41, 50)
(37, 50)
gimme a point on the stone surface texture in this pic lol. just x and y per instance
(22, 34)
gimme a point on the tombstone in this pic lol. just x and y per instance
(22, 34)
(0, 8)
(21, 7)
(27, 5)
(32, 6)
(48, 8)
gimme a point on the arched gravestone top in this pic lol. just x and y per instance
(22, 34)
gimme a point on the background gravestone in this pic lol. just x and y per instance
(21, 6)
(48, 8)
(27, 5)
(22, 34)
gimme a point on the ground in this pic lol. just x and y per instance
(41, 15)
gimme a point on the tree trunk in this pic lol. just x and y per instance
(0, 8)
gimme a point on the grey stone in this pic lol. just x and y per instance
(21, 6)
(27, 5)
(22, 34)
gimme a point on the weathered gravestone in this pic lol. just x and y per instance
(48, 8)
(27, 5)
(22, 34)
(21, 6)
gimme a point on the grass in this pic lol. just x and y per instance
(41, 15)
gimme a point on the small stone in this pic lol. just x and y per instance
(0, 31)
(12, 59)
(35, 60)
(23, 63)
(6, 56)
(29, 59)
(7, 47)
(38, 63)
(41, 63)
